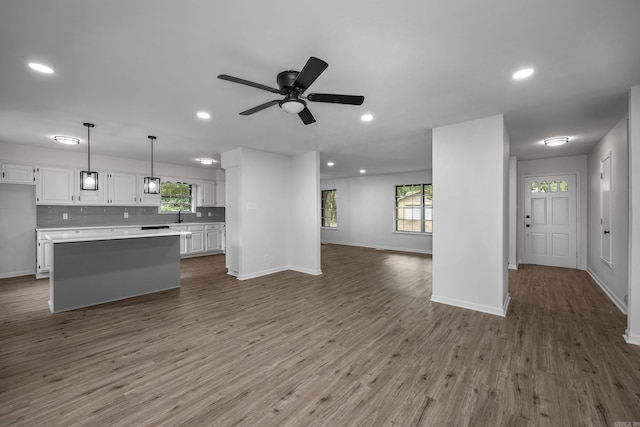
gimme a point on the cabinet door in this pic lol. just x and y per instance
(206, 194)
(197, 242)
(55, 186)
(184, 247)
(43, 256)
(17, 174)
(146, 199)
(122, 189)
(213, 240)
(220, 193)
(98, 197)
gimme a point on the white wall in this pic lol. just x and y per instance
(557, 165)
(272, 215)
(613, 279)
(304, 223)
(633, 309)
(513, 213)
(470, 212)
(366, 206)
(17, 229)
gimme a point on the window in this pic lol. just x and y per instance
(414, 204)
(175, 197)
(329, 209)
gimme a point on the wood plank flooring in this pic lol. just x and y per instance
(361, 345)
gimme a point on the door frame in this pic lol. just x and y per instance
(521, 204)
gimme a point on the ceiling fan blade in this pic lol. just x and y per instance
(259, 107)
(336, 99)
(248, 83)
(306, 116)
(311, 71)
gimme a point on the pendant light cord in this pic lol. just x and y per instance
(89, 126)
(152, 138)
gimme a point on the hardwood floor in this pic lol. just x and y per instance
(360, 345)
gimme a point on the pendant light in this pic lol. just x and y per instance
(88, 179)
(151, 183)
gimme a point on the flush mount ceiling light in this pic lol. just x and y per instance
(40, 68)
(292, 105)
(204, 115)
(88, 179)
(522, 74)
(206, 161)
(330, 163)
(151, 183)
(363, 171)
(70, 140)
(559, 140)
(366, 117)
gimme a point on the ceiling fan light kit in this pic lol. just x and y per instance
(292, 85)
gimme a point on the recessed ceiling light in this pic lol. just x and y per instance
(330, 163)
(559, 140)
(66, 139)
(204, 115)
(366, 117)
(41, 68)
(363, 171)
(206, 160)
(522, 74)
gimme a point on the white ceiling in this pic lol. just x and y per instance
(142, 67)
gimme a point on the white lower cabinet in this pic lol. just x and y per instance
(196, 238)
(204, 239)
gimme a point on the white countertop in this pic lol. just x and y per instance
(95, 227)
(114, 235)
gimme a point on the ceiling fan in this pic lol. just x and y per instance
(292, 85)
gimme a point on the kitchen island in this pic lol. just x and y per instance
(94, 269)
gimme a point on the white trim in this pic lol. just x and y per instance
(278, 270)
(631, 338)
(620, 304)
(496, 311)
(513, 266)
(17, 274)
(387, 248)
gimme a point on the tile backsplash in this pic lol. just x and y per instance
(51, 216)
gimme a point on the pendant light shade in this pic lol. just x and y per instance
(88, 178)
(151, 183)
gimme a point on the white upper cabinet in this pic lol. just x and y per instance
(146, 199)
(122, 189)
(93, 197)
(206, 194)
(220, 193)
(55, 186)
(17, 174)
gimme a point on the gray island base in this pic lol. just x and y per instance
(101, 269)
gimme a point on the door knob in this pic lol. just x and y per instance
(607, 231)
(528, 225)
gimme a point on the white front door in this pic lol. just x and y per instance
(550, 220)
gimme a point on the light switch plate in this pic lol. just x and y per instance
(65, 216)
(126, 214)
(208, 213)
(198, 214)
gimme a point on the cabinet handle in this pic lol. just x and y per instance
(3, 174)
(72, 198)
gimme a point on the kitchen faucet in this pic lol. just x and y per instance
(179, 219)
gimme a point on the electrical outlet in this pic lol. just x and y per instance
(198, 214)
(126, 214)
(65, 216)
(208, 213)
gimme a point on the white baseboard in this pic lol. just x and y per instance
(631, 338)
(513, 266)
(386, 248)
(496, 311)
(278, 270)
(17, 274)
(616, 301)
